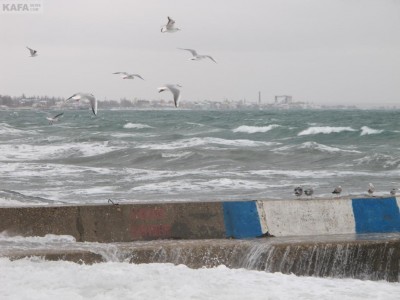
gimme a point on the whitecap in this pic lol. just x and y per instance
(324, 130)
(314, 146)
(6, 129)
(38, 152)
(365, 130)
(196, 142)
(383, 160)
(255, 129)
(136, 126)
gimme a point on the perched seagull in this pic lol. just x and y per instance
(197, 56)
(393, 192)
(170, 26)
(337, 190)
(33, 52)
(173, 88)
(54, 119)
(309, 192)
(298, 191)
(371, 189)
(125, 75)
(86, 96)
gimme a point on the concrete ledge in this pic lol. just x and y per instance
(205, 220)
(118, 223)
(365, 257)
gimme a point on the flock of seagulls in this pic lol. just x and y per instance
(174, 89)
(298, 191)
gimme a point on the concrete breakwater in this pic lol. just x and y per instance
(211, 233)
(205, 220)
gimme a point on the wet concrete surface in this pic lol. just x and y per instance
(367, 256)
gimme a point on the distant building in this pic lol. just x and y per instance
(283, 99)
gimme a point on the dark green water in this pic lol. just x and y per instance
(195, 155)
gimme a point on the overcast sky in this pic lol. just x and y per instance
(320, 51)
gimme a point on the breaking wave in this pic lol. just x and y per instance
(254, 129)
(136, 126)
(365, 130)
(324, 130)
(314, 146)
(379, 160)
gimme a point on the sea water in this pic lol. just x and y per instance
(179, 155)
(195, 155)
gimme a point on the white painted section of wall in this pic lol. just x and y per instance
(309, 217)
(262, 216)
(398, 202)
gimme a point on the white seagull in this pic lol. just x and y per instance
(173, 88)
(393, 192)
(371, 189)
(86, 96)
(337, 190)
(54, 119)
(170, 26)
(126, 75)
(33, 52)
(197, 56)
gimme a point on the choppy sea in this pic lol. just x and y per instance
(183, 155)
(194, 155)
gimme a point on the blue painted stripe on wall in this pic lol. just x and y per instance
(241, 219)
(376, 215)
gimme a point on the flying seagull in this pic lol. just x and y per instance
(298, 191)
(309, 192)
(337, 190)
(371, 189)
(33, 52)
(54, 119)
(197, 56)
(88, 97)
(173, 88)
(126, 75)
(170, 26)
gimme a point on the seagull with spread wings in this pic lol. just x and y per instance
(88, 97)
(54, 119)
(174, 89)
(126, 75)
(197, 56)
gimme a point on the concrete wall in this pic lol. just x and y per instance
(205, 220)
(331, 216)
(118, 223)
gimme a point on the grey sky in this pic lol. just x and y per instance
(321, 51)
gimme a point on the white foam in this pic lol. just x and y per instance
(196, 142)
(136, 126)
(6, 129)
(383, 160)
(33, 278)
(324, 130)
(314, 146)
(48, 238)
(365, 130)
(23, 152)
(255, 129)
